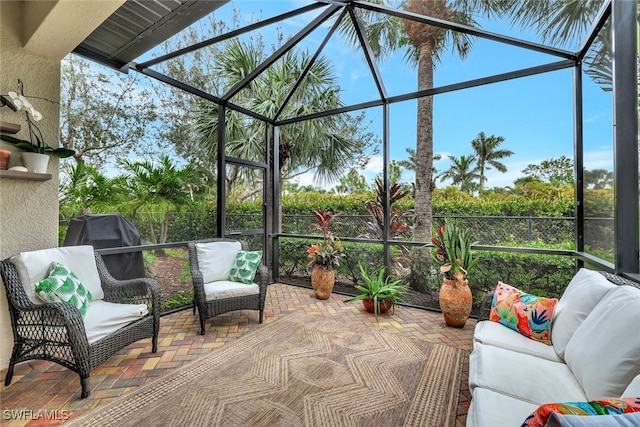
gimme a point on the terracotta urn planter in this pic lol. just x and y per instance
(455, 301)
(322, 281)
(383, 306)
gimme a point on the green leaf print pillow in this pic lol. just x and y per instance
(62, 285)
(245, 266)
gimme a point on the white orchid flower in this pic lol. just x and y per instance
(25, 103)
(16, 100)
(37, 116)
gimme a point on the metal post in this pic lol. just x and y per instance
(275, 154)
(578, 154)
(222, 173)
(387, 203)
(625, 136)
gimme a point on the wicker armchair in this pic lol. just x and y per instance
(56, 331)
(209, 306)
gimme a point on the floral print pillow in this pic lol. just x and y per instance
(525, 313)
(541, 415)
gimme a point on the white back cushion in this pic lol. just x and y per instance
(604, 352)
(633, 389)
(215, 259)
(33, 266)
(584, 291)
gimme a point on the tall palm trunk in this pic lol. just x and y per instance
(421, 260)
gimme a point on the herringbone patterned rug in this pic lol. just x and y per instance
(301, 371)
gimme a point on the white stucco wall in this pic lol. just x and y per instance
(34, 37)
(28, 209)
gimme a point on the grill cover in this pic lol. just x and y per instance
(109, 231)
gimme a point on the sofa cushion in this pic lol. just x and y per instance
(581, 295)
(604, 352)
(228, 289)
(620, 420)
(493, 333)
(62, 285)
(245, 266)
(633, 389)
(33, 267)
(104, 318)
(215, 259)
(522, 376)
(525, 313)
(601, 407)
(491, 409)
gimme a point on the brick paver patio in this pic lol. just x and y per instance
(43, 393)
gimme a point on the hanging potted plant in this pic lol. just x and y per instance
(324, 256)
(37, 152)
(452, 250)
(380, 292)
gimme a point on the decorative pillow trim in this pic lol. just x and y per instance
(245, 266)
(525, 313)
(62, 285)
(596, 407)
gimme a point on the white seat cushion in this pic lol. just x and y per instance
(522, 376)
(33, 266)
(604, 352)
(215, 259)
(584, 291)
(491, 409)
(228, 289)
(493, 333)
(104, 318)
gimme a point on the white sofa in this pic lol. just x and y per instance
(595, 354)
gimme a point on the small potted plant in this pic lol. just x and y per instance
(380, 292)
(37, 151)
(452, 250)
(325, 256)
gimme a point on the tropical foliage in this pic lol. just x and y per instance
(379, 288)
(452, 249)
(327, 253)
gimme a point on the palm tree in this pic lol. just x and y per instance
(463, 172)
(155, 190)
(323, 145)
(410, 164)
(84, 189)
(486, 151)
(424, 43)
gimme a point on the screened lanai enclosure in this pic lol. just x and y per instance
(276, 96)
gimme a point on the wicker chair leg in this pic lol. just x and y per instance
(261, 315)
(201, 326)
(9, 376)
(85, 387)
(154, 343)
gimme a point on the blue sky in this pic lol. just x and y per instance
(533, 114)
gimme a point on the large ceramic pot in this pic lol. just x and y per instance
(322, 280)
(383, 306)
(455, 301)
